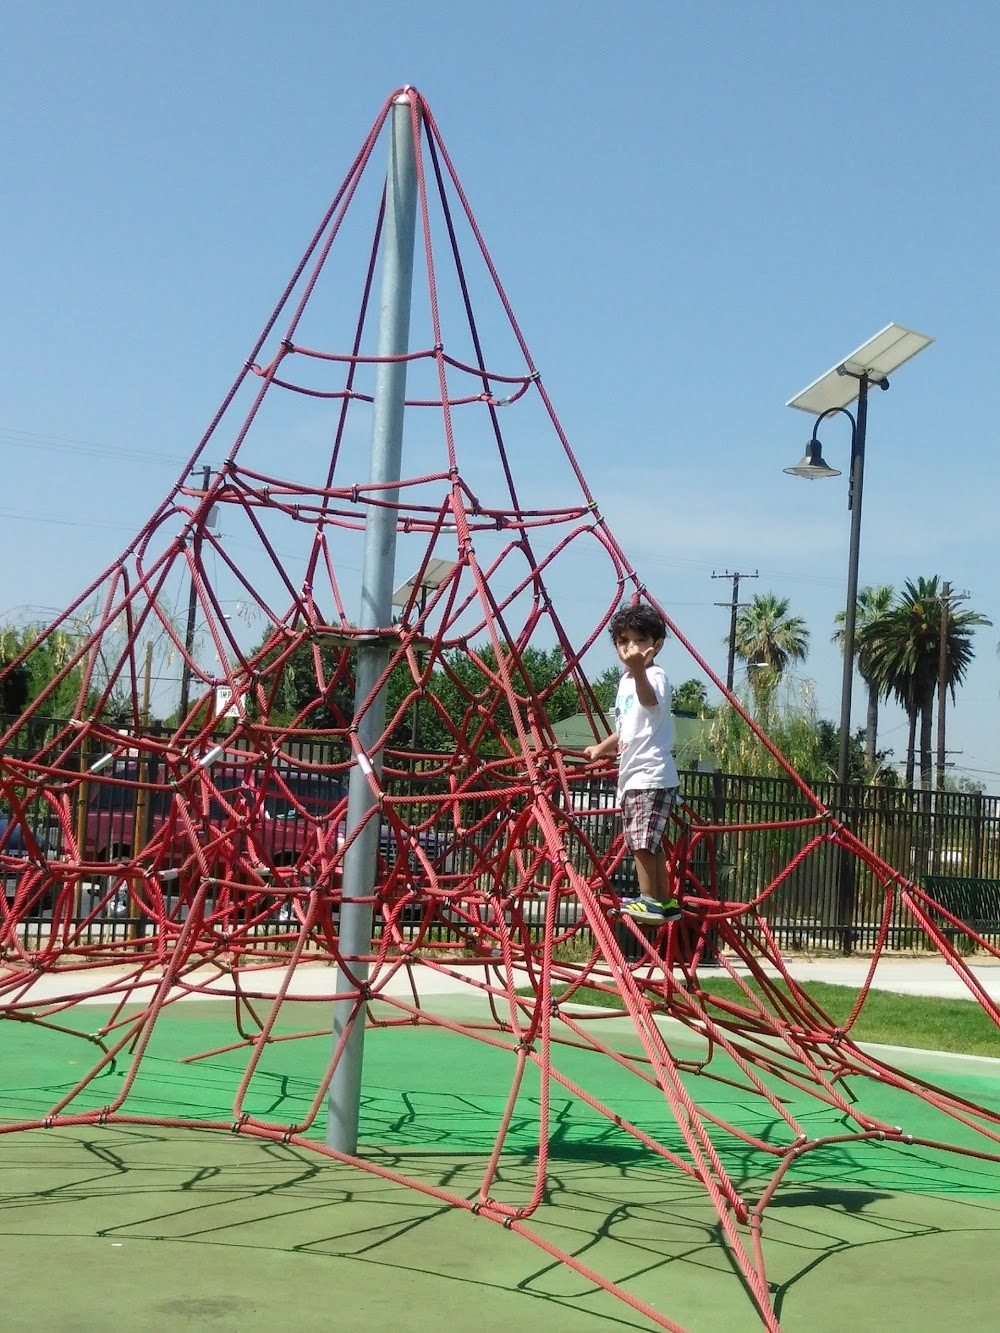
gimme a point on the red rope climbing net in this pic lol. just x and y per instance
(218, 845)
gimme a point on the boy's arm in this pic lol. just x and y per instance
(636, 661)
(598, 751)
(644, 692)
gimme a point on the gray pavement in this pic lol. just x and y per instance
(927, 974)
(910, 975)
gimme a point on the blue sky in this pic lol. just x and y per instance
(695, 210)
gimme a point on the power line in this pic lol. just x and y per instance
(29, 439)
(66, 522)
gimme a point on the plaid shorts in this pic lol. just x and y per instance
(645, 815)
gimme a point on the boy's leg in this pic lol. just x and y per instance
(662, 889)
(646, 814)
(664, 892)
(651, 872)
(647, 872)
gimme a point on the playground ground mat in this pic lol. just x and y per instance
(146, 1227)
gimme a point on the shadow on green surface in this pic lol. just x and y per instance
(186, 1205)
(150, 1224)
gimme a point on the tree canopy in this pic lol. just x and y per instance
(48, 655)
(768, 639)
(316, 688)
(904, 653)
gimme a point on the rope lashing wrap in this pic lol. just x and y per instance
(203, 856)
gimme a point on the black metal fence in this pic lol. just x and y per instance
(917, 833)
(755, 839)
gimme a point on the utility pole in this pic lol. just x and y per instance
(733, 607)
(947, 597)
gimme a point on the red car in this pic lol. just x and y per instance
(264, 815)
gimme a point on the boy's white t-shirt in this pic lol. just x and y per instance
(645, 736)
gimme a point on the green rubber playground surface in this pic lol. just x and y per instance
(142, 1227)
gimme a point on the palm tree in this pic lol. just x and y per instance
(873, 603)
(767, 640)
(903, 652)
(691, 696)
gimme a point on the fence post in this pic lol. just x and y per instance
(977, 837)
(846, 874)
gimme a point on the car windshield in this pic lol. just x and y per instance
(287, 794)
(314, 793)
(9, 841)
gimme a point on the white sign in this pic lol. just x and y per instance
(225, 705)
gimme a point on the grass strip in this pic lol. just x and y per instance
(924, 1022)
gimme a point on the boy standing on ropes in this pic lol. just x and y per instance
(643, 738)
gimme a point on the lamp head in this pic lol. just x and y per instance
(811, 465)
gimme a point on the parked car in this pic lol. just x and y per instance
(289, 809)
(10, 837)
(282, 812)
(16, 844)
(280, 801)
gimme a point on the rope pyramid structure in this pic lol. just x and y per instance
(230, 842)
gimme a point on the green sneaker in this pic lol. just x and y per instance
(648, 909)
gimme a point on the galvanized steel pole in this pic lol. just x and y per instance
(344, 1098)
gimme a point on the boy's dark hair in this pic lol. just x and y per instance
(640, 618)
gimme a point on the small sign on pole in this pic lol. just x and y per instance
(225, 704)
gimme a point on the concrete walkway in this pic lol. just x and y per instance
(911, 975)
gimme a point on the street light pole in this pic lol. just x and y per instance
(854, 493)
(871, 363)
(812, 466)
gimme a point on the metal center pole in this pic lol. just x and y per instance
(360, 860)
